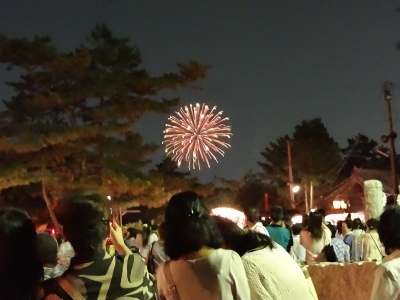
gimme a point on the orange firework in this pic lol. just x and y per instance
(195, 134)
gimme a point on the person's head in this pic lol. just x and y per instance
(346, 226)
(161, 231)
(188, 226)
(322, 212)
(21, 270)
(305, 221)
(252, 216)
(315, 224)
(48, 247)
(229, 231)
(276, 213)
(131, 232)
(239, 240)
(333, 229)
(372, 224)
(85, 221)
(388, 228)
(296, 228)
(142, 236)
(357, 224)
(339, 226)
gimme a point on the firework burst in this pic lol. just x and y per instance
(194, 135)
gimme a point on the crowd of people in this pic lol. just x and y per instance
(193, 256)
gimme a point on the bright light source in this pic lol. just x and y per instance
(262, 218)
(296, 188)
(232, 214)
(336, 204)
(297, 219)
(109, 198)
(339, 204)
(333, 218)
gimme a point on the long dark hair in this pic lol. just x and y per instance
(315, 224)
(21, 270)
(145, 232)
(188, 226)
(240, 241)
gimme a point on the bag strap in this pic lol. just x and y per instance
(69, 289)
(170, 281)
(150, 255)
(375, 243)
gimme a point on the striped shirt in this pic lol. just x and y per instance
(107, 277)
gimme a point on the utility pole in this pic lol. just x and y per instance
(387, 87)
(290, 183)
(306, 197)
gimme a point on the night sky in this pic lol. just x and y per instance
(274, 63)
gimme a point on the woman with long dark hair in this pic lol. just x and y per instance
(197, 269)
(21, 270)
(315, 237)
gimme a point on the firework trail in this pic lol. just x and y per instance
(194, 135)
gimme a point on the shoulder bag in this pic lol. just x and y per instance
(379, 249)
(170, 281)
(69, 289)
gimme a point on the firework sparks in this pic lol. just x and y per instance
(195, 134)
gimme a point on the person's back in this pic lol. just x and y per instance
(21, 271)
(199, 269)
(349, 238)
(341, 250)
(315, 237)
(107, 277)
(205, 278)
(254, 223)
(93, 273)
(277, 232)
(358, 232)
(279, 235)
(387, 275)
(298, 252)
(372, 248)
(273, 274)
(157, 252)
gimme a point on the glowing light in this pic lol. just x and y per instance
(195, 135)
(333, 218)
(295, 189)
(232, 214)
(339, 204)
(297, 219)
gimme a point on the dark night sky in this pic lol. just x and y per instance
(274, 63)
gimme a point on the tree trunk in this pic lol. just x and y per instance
(49, 207)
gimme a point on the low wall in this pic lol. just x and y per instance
(351, 281)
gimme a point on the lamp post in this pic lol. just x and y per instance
(387, 86)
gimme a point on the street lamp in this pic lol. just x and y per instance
(295, 188)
